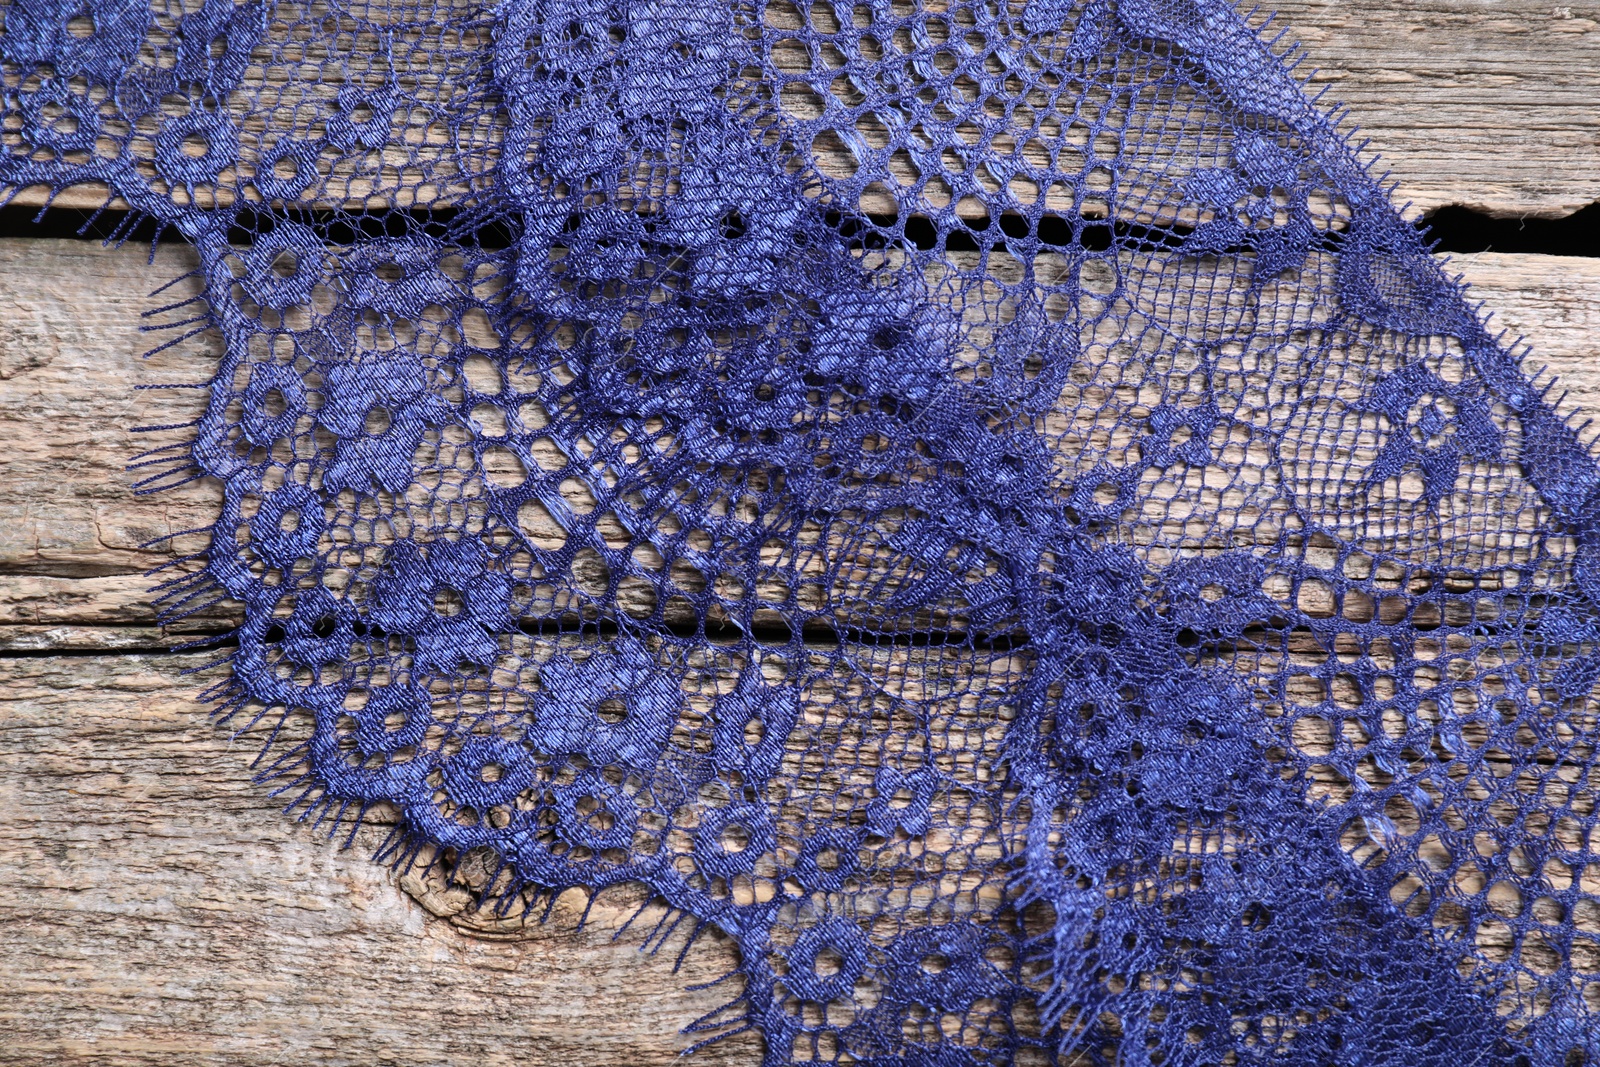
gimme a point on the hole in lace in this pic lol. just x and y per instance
(491, 772)
(196, 146)
(889, 336)
(934, 963)
(396, 720)
(285, 264)
(735, 838)
(447, 602)
(612, 710)
(377, 420)
(361, 114)
(285, 168)
(81, 26)
(598, 818)
(289, 522)
(754, 731)
(827, 860)
(274, 403)
(324, 627)
(733, 226)
(388, 272)
(828, 962)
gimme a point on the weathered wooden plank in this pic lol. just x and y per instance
(1553, 304)
(141, 864)
(69, 362)
(1503, 91)
(70, 314)
(73, 514)
(156, 908)
(1472, 102)
(161, 907)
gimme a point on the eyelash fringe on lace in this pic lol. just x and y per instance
(989, 507)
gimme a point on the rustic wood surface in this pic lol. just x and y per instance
(1488, 104)
(1479, 103)
(71, 565)
(155, 907)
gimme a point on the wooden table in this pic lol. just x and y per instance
(156, 909)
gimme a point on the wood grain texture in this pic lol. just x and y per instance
(71, 346)
(70, 315)
(157, 909)
(74, 537)
(1553, 303)
(1481, 103)
(1489, 104)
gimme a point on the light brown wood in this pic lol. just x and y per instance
(1553, 304)
(157, 909)
(1471, 102)
(1480, 103)
(70, 361)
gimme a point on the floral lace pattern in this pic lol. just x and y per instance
(990, 507)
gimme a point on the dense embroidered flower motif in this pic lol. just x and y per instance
(828, 859)
(319, 629)
(94, 39)
(488, 772)
(448, 597)
(286, 170)
(379, 408)
(732, 840)
(57, 118)
(393, 718)
(283, 266)
(825, 961)
(286, 526)
(274, 401)
(593, 813)
(1432, 426)
(942, 968)
(617, 707)
(362, 118)
(751, 726)
(214, 44)
(903, 802)
(196, 148)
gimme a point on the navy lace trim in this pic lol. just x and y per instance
(990, 507)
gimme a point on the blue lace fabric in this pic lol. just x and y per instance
(988, 506)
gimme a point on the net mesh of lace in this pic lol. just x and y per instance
(988, 506)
